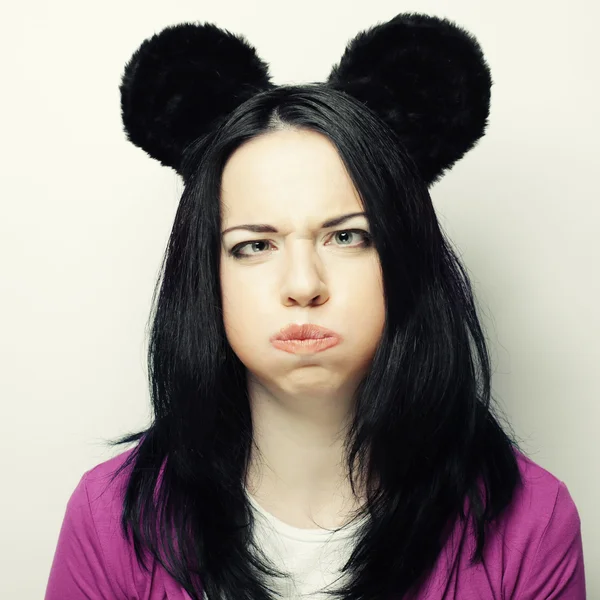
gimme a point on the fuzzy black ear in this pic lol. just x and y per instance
(181, 82)
(427, 79)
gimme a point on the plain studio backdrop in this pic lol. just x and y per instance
(85, 218)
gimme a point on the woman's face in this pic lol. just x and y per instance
(294, 181)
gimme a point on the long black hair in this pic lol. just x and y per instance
(425, 433)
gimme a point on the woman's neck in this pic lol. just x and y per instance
(297, 470)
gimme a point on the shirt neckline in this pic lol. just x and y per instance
(301, 533)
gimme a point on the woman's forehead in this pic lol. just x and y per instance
(287, 173)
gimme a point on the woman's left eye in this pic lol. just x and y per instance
(345, 233)
(341, 235)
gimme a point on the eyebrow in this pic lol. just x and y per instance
(261, 228)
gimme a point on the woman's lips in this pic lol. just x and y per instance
(308, 346)
(304, 339)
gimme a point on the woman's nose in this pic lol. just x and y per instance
(303, 280)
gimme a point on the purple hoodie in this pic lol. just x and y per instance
(535, 553)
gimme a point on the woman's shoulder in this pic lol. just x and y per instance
(106, 479)
(93, 552)
(542, 521)
(535, 548)
(104, 486)
(541, 497)
(542, 529)
(102, 489)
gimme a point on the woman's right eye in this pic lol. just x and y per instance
(237, 253)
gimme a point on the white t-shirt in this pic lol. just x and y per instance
(313, 557)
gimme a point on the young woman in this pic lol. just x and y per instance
(323, 422)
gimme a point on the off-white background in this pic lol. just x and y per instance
(85, 217)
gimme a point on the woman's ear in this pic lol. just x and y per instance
(181, 82)
(427, 79)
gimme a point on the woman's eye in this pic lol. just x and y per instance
(350, 234)
(345, 237)
(236, 251)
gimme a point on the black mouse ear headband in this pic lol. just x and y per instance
(422, 75)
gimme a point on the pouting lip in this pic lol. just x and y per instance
(304, 332)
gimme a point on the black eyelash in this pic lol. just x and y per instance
(235, 251)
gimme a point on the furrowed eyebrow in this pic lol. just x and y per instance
(260, 228)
